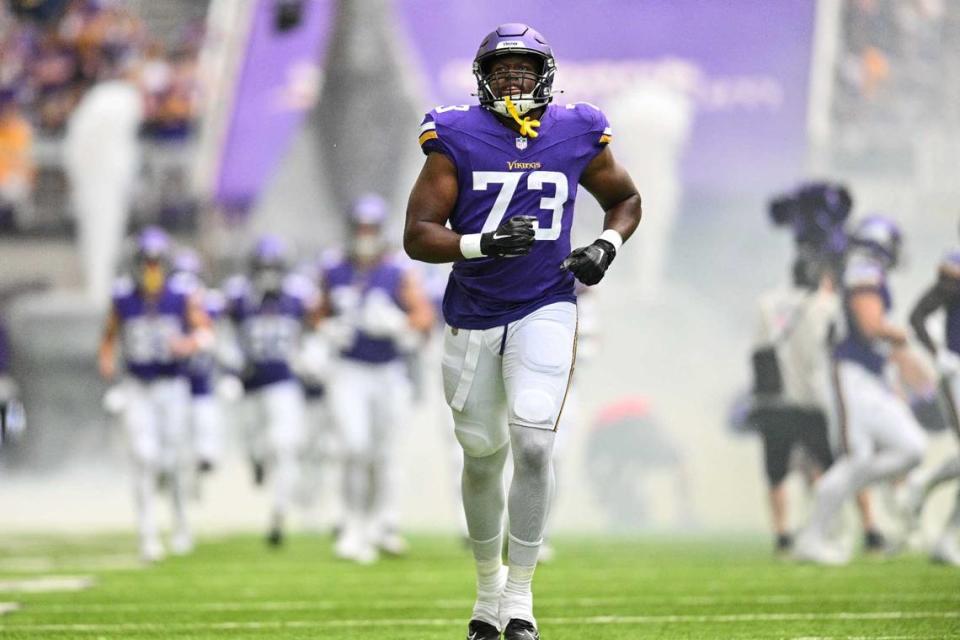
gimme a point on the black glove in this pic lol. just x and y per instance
(512, 238)
(589, 263)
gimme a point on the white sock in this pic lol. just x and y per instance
(490, 579)
(517, 599)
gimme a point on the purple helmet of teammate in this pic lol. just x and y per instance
(270, 252)
(269, 263)
(153, 244)
(879, 235)
(368, 213)
(514, 39)
(369, 208)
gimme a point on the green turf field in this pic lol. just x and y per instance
(650, 588)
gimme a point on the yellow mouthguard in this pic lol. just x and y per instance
(527, 125)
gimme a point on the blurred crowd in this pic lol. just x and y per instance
(50, 59)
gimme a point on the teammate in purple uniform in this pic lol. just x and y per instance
(385, 314)
(205, 418)
(158, 325)
(881, 438)
(269, 309)
(945, 294)
(504, 175)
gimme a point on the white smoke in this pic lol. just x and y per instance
(102, 160)
(651, 126)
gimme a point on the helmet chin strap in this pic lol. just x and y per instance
(528, 126)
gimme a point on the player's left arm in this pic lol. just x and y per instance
(613, 188)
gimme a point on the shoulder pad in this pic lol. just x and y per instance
(593, 118)
(236, 286)
(185, 283)
(299, 286)
(122, 286)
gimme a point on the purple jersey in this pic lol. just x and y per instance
(863, 275)
(501, 174)
(349, 288)
(269, 327)
(149, 327)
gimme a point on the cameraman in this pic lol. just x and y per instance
(792, 353)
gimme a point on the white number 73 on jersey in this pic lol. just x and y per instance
(535, 180)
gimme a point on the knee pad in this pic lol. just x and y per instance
(475, 439)
(533, 448)
(536, 408)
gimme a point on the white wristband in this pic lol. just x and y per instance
(470, 246)
(614, 238)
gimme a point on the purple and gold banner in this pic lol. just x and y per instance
(743, 66)
(278, 81)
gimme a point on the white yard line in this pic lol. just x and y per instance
(47, 584)
(451, 603)
(443, 622)
(8, 607)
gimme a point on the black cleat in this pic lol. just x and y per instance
(783, 544)
(275, 537)
(874, 542)
(259, 473)
(204, 466)
(518, 629)
(479, 630)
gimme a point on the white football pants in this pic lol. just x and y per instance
(155, 419)
(276, 437)
(207, 428)
(370, 404)
(880, 439)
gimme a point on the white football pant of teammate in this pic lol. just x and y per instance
(155, 418)
(276, 436)
(883, 440)
(370, 403)
(205, 417)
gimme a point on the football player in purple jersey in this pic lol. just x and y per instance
(496, 196)
(269, 308)
(881, 438)
(374, 295)
(205, 414)
(944, 294)
(159, 326)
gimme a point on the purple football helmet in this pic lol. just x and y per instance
(514, 39)
(879, 235)
(369, 208)
(153, 244)
(270, 252)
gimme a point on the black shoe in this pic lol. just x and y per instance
(259, 473)
(204, 466)
(518, 629)
(275, 537)
(479, 630)
(874, 542)
(784, 544)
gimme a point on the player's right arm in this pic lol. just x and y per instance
(106, 356)
(870, 315)
(432, 200)
(434, 194)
